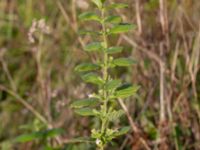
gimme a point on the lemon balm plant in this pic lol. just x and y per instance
(103, 103)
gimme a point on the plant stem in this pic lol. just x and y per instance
(101, 148)
(105, 74)
(105, 62)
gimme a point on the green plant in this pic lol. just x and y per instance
(103, 104)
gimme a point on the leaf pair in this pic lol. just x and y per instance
(123, 91)
(91, 16)
(81, 106)
(97, 46)
(116, 29)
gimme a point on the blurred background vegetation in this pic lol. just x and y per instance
(38, 82)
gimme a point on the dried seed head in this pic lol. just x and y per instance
(43, 27)
(31, 32)
(37, 26)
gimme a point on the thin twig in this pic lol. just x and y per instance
(133, 126)
(138, 16)
(23, 102)
(162, 101)
(163, 16)
(7, 72)
(152, 55)
(31, 109)
(67, 19)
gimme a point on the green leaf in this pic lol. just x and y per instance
(122, 131)
(113, 19)
(112, 85)
(117, 5)
(95, 46)
(103, 1)
(85, 102)
(39, 135)
(85, 112)
(113, 50)
(92, 78)
(121, 28)
(114, 115)
(126, 90)
(28, 137)
(98, 3)
(123, 62)
(88, 16)
(86, 67)
(53, 132)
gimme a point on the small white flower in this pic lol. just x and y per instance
(98, 141)
(90, 95)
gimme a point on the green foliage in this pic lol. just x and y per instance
(95, 46)
(86, 67)
(117, 5)
(112, 85)
(19, 72)
(103, 104)
(85, 102)
(108, 135)
(114, 115)
(121, 28)
(113, 19)
(123, 62)
(114, 49)
(39, 135)
(85, 112)
(89, 16)
(92, 78)
(123, 131)
(126, 90)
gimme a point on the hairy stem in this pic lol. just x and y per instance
(105, 73)
(101, 148)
